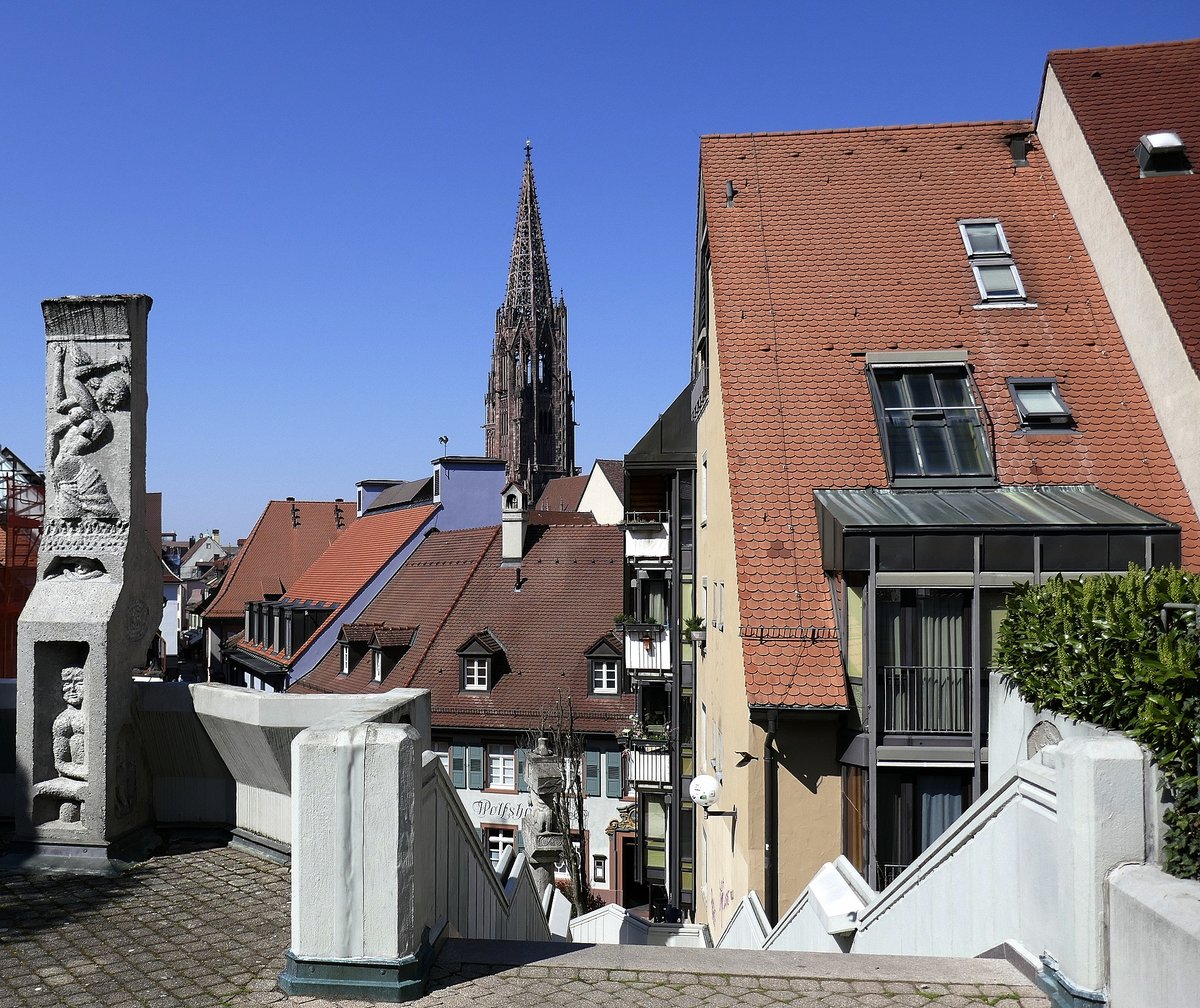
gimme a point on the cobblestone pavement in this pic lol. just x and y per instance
(204, 927)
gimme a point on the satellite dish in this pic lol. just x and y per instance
(704, 790)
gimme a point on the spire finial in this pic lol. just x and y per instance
(528, 149)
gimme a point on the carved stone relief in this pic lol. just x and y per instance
(69, 736)
(84, 392)
(72, 568)
(1042, 734)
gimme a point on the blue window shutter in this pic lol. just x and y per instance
(475, 768)
(591, 774)
(458, 766)
(612, 775)
(521, 785)
(520, 841)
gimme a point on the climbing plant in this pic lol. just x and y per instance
(1104, 649)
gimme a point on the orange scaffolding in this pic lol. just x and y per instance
(22, 506)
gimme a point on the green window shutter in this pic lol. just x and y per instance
(521, 785)
(612, 775)
(591, 774)
(458, 766)
(475, 768)
(520, 840)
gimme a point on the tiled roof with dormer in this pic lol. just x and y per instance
(546, 616)
(1117, 95)
(287, 538)
(842, 242)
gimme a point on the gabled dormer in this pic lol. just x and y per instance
(606, 668)
(482, 661)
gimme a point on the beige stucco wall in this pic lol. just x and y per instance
(1172, 385)
(729, 856)
(602, 499)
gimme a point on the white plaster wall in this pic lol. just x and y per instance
(1154, 345)
(748, 926)
(1154, 938)
(612, 925)
(602, 499)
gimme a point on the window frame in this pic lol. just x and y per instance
(981, 424)
(1039, 421)
(497, 833)
(470, 670)
(345, 667)
(377, 664)
(599, 666)
(496, 750)
(1002, 257)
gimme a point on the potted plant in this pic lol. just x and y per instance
(693, 629)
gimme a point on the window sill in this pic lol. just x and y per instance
(984, 305)
(499, 790)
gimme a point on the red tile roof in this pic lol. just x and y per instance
(348, 565)
(454, 588)
(562, 494)
(614, 472)
(278, 549)
(843, 242)
(1118, 95)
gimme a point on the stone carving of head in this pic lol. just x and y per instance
(72, 685)
(112, 392)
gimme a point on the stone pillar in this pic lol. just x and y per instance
(540, 831)
(359, 927)
(97, 601)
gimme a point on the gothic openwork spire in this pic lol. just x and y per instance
(530, 405)
(529, 293)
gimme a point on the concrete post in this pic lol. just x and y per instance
(358, 927)
(96, 604)
(1101, 824)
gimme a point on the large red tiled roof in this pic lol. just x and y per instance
(1117, 95)
(347, 565)
(562, 494)
(453, 588)
(287, 538)
(844, 242)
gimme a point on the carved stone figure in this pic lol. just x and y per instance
(76, 569)
(70, 750)
(539, 827)
(84, 394)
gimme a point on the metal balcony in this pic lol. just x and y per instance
(648, 768)
(926, 700)
(647, 535)
(647, 649)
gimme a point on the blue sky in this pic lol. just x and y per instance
(320, 198)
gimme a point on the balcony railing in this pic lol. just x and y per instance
(926, 700)
(647, 534)
(887, 875)
(648, 768)
(647, 648)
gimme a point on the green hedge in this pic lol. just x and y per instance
(1096, 650)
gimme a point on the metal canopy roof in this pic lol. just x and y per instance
(1009, 507)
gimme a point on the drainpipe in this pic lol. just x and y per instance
(771, 820)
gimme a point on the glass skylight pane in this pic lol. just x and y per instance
(984, 239)
(999, 281)
(1038, 400)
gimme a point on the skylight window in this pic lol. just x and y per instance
(930, 423)
(1162, 154)
(1040, 403)
(991, 261)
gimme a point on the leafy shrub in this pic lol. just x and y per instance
(1096, 650)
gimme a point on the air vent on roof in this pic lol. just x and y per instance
(1162, 154)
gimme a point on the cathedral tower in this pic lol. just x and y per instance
(530, 405)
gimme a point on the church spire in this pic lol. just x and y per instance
(530, 404)
(529, 293)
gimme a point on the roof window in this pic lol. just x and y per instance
(991, 261)
(1040, 403)
(1162, 154)
(930, 423)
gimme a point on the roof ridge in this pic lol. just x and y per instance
(866, 129)
(1127, 46)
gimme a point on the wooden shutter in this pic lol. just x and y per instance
(475, 768)
(612, 775)
(521, 785)
(458, 766)
(591, 774)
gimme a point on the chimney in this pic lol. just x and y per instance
(216, 535)
(512, 517)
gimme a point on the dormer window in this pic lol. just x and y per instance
(476, 674)
(605, 675)
(345, 670)
(1162, 154)
(930, 422)
(377, 665)
(991, 261)
(1039, 403)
